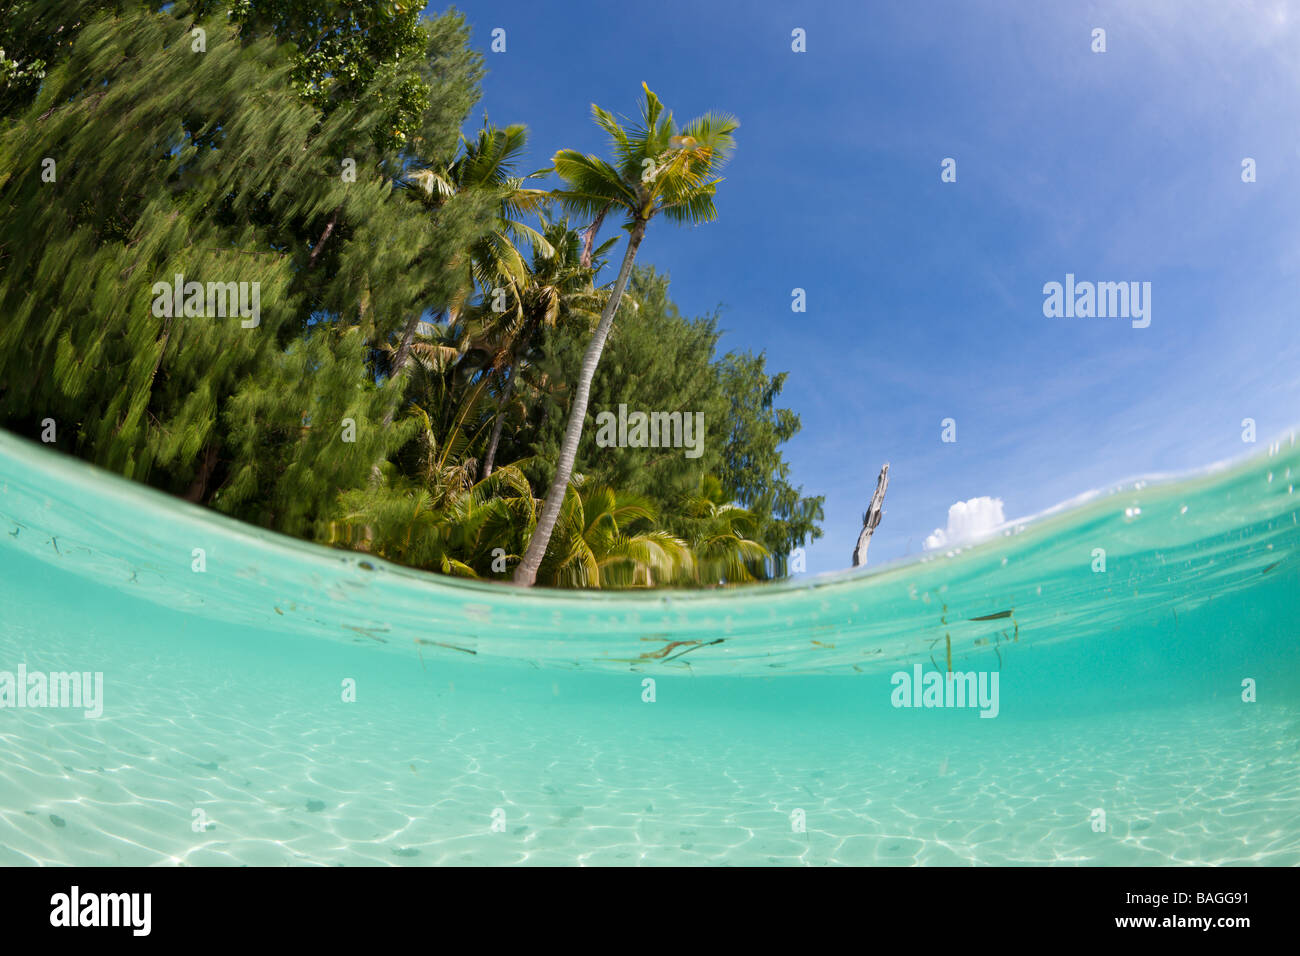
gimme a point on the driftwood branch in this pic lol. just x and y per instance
(871, 519)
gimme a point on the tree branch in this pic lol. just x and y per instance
(871, 519)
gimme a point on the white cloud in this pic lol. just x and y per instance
(968, 521)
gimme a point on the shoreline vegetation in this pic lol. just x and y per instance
(429, 336)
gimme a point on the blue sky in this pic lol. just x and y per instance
(925, 298)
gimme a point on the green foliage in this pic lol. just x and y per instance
(128, 157)
(451, 526)
(420, 81)
(721, 537)
(658, 168)
(654, 360)
(753, 470)
(127, 211)
(303, 426)
(35, 35)
(606, 539)
(223, 165)
(657, 360)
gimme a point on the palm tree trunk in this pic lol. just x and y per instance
(526, 573)
(589, 240)
(490, 459)
(399, 363)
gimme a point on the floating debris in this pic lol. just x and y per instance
(993, 617)
(453, 647)
(651, 655)
(696, 648)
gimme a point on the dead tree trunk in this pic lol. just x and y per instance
(872, 518)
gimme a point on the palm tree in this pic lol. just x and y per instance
(720, 536)
(555, 289)
(658, 169)
(606, 539)
(431, 513)
(485, 165)
(451, 525)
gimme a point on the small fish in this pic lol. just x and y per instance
(992, 617)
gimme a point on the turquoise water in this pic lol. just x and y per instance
(493, 726)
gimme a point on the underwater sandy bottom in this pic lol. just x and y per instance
(577, 770)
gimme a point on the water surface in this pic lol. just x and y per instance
(492, 725)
